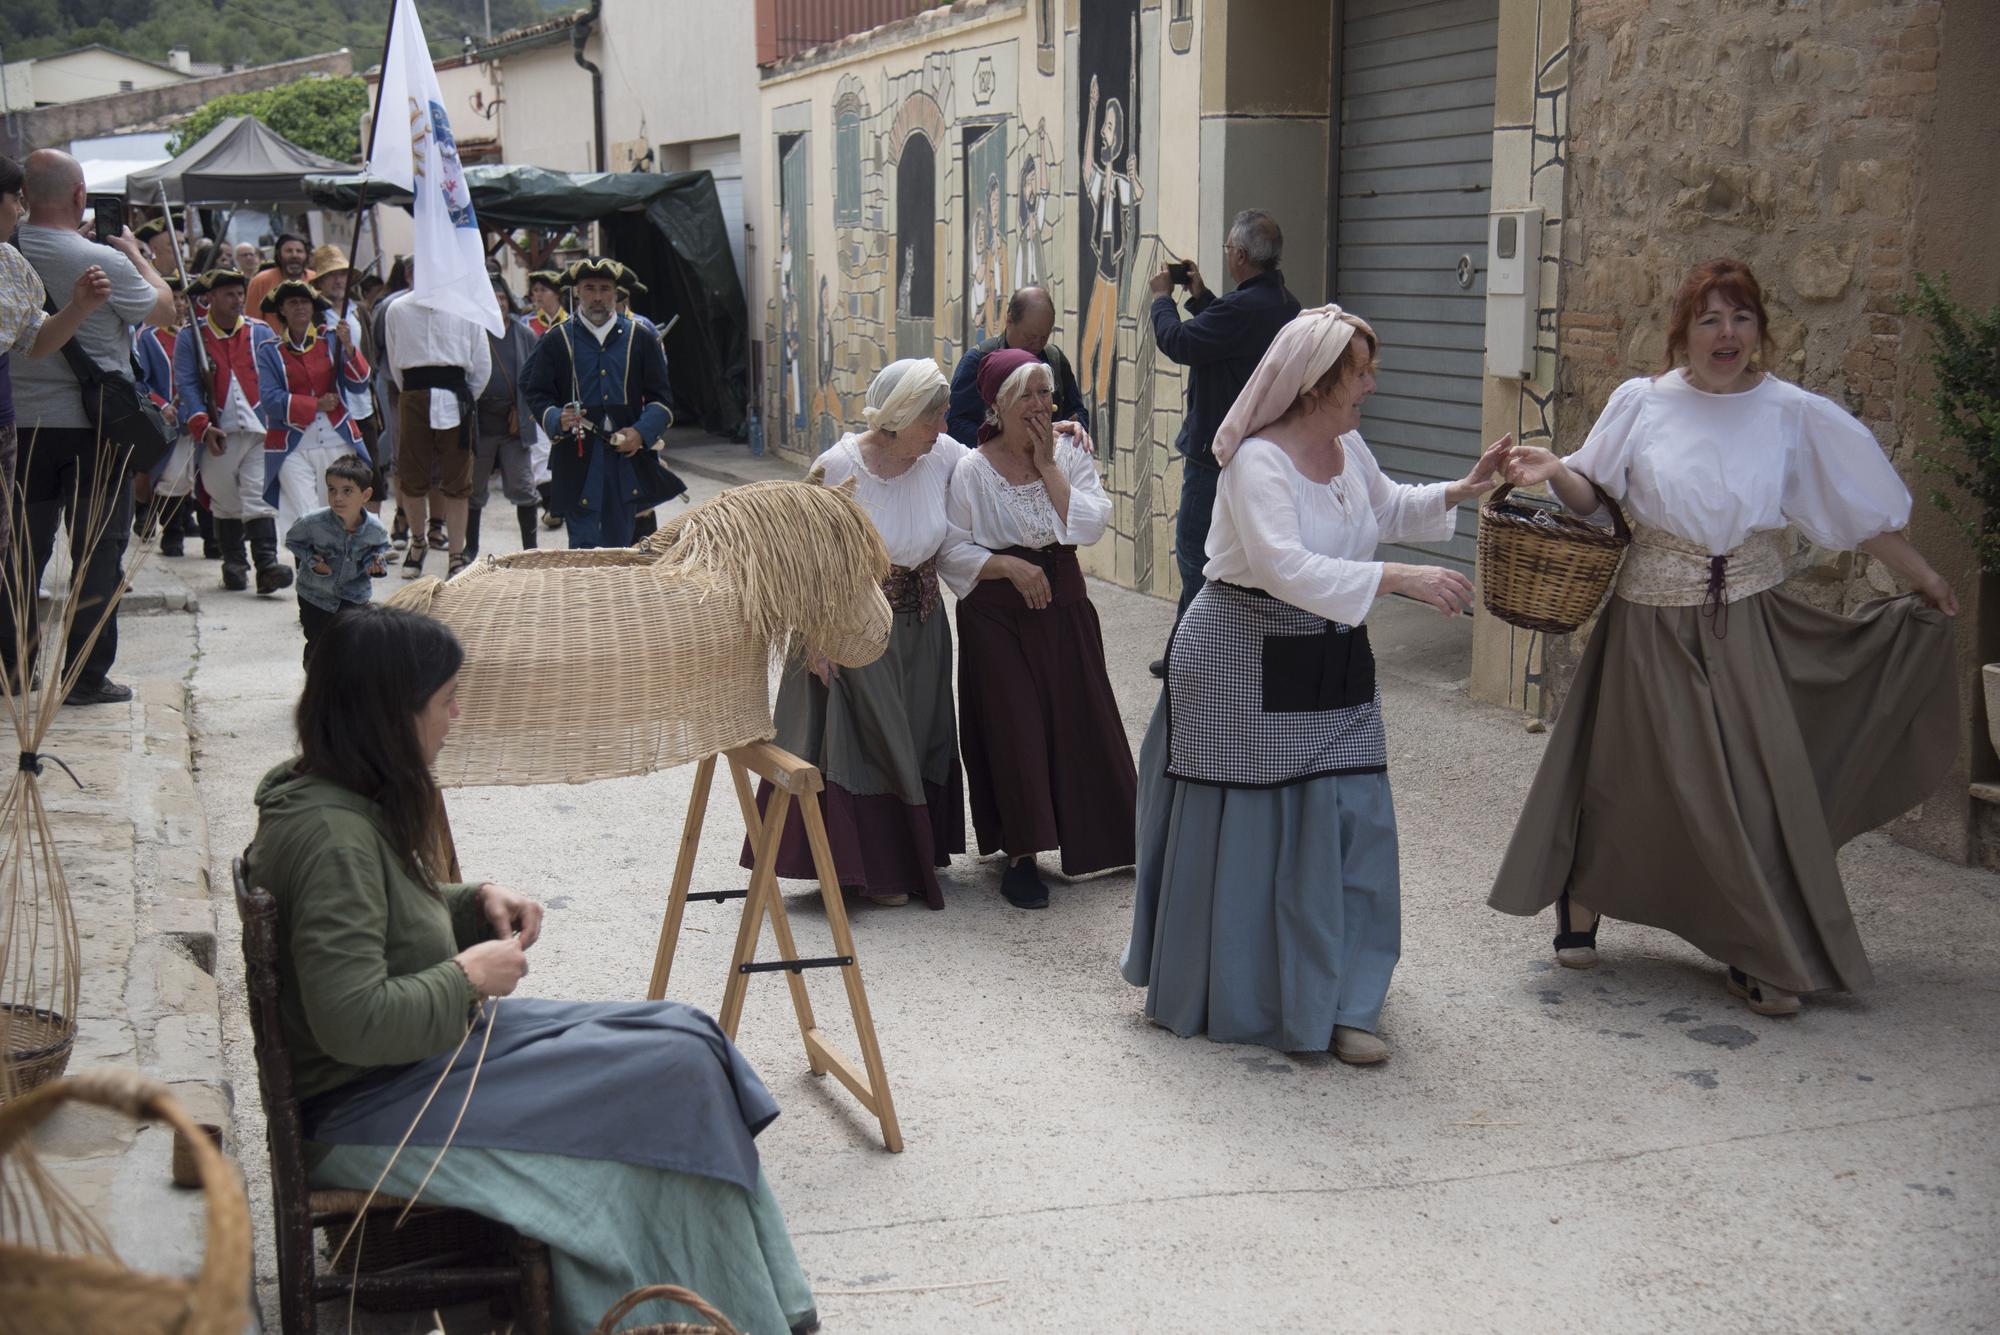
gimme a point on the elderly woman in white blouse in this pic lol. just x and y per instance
(883, 735)
(1721, 738)
(1269, 905)
(1045, 749)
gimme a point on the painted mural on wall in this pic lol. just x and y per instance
(1108, 75)
(988, 278)
(947, 194)
(794, 416)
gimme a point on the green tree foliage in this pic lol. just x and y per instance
(246, 32)
(1964, 359)
(322, 115)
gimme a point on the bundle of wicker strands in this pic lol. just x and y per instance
(584, 665)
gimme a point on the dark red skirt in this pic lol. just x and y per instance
(881, 844)
(1046, 757)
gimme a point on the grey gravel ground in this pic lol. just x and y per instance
(1624, 1149)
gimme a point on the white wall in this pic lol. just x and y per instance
(79, 75)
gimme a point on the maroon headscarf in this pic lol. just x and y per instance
(993, 373)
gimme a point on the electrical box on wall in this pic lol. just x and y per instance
(1513, 291)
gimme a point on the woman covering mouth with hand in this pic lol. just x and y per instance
(1722, 738)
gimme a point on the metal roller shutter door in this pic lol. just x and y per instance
(1415, 178)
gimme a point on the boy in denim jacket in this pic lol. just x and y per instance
(338, 549)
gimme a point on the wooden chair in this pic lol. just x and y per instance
(439, 1256)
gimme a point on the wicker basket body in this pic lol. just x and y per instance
(82, 1294)
(1543, 569)
(38, 1046)
(597, 664)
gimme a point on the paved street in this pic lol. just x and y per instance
(1624, 1149)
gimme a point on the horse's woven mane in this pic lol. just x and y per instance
(795, 554)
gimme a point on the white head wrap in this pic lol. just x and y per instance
(1303, 351)
(901, 391)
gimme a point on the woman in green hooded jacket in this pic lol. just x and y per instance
(621, 1134)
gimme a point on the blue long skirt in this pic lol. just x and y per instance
(1263, 915)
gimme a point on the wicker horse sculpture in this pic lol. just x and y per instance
(583, 665)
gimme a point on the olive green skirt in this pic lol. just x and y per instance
(1703, 783)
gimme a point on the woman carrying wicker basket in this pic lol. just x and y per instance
(619, 1133)
(1269, 900)
(1722, 738)
(1045, 749)
(884, 735)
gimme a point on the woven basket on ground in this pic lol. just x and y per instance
(47, 1285)
(1541, 568)
(583, 665)
(38, 1047)
(718, 1324)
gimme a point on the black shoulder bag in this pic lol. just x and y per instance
(117, 410)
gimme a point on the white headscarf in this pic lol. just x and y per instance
(901, 391)
(1303, 351)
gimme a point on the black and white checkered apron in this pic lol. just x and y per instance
(1261, 694)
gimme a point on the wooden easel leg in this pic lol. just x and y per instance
(768, 840)
(670, 928)
(763, 886)
(875, 1097)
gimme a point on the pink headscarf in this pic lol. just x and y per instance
(993, 372)
(1303, 351)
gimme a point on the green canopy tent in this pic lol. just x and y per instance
(667, 226)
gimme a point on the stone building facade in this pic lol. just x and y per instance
(1839, 147)
(916, 172)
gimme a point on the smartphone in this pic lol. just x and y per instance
(1177, 273)
(108, 215)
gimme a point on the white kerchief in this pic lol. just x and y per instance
(898, 394)
(1303, 351)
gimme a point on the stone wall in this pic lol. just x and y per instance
(1786, 136)
(25, 131)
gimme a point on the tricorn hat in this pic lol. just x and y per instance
(294, 287)
(153, 227)
(551, 278)
(213, 279)
(596, 266)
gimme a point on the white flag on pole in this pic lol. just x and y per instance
(414, 148)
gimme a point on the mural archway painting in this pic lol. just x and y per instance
(1107, 222)
(794, 282)
(988, 269)
(916, 246)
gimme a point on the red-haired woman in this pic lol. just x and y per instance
(1722, 738)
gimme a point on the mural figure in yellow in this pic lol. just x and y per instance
(1111, 189)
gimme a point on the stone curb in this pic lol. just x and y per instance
(157, 602)
(135, 851)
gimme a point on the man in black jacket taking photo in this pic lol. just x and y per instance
(1221, 342)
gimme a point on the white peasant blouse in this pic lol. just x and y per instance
(1312, 544)
(908, 509)
(1715, 468)
(993, 513)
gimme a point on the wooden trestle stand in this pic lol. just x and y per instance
(791, 780)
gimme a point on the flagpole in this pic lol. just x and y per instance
(361, 200)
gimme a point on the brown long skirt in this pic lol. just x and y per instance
(1703, 784)
(1046, 759)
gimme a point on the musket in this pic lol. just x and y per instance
(193, 329)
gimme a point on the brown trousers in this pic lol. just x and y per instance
(424, 451)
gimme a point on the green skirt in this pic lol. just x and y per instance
(611, 1228)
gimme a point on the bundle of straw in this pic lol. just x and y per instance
(38, 938)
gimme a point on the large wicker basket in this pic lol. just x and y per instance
(1541, 568)
(86, 1294)
(673, 1293)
